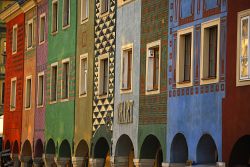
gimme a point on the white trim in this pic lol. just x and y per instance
(152, 45)
(64, 61)
(27, 34)
(51, 66)
(100, 58)
(38, 86)
(43, 15)
(179, 34)
(14, 27)
(205, 25)
(25, 100)
(87, 6)
(14, 107)
(55, 32)
(66, 26)
(124, 49)
(84, 56)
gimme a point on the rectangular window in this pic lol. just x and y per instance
(13, 94)
(3, 88)
(14, 39)
(126, 69)
(104, 6)
(66, 12)
(153, 67)
(28, 93)
(83, 76)
(30, 34)
(65, 80)
(42, 29)
(184, 62)
(4, 52)
(210, 52)
(40, 89)
(84, 9)
(103, 76)
(54, 16)
(53, 87)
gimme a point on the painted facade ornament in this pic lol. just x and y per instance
(125, 112)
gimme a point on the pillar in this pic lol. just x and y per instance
(16, 160)
(48, 159)
(121, 161)
(79, 161)
(62, 162)
(136, 162)
(96, 162)
(38, 162)
(165, 164)
(220, 164)
(26, 161)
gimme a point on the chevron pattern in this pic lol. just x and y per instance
(104, 44)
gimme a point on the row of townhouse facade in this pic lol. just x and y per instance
(145, 83)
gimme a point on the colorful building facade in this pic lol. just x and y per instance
(196, 76)
(235, 116)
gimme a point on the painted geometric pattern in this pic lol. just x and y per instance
(104, 44)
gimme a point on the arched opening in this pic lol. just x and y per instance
(102, 151)
(27, 152)
(179, 149)
(39, 148)
(51, 148)
(124, 151)
(240, 155)
(15, 148)
(206, 152)
(65, 151)
(7, 145)
(82, 151)
(151, 149)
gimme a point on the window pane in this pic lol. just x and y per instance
(187, 57)
(104, 6)
(42, 29)
(13, 94)
(83, 86)
(66, 13)
(85, 9)
(14, 40)
(40, 90)
(156, 69)
(55, 13)
(129, 69)
(28, 93)
(54, 83)
(3, 88)
(244, 71)
(212, 51)
(30, 35)
(105, 76)
(65, 82)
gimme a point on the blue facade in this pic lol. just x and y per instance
(194, 112)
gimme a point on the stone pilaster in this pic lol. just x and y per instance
(38, 162)
(79, 161)
(62, 162)
(136, 162)
(97, 162)
(121, 161)
(26, 161)
(16, 160)
(48, 159)
(165, 164)
(221, 164)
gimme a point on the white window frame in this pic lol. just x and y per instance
(179, 34)
(203, 80)
(242, 15)
(52, 31)
(43, 15)
(151, 45)
(84, 20)
(14, 27)
(65, 26)
(32, 31)
(100, 58)
(26, 96)
(67, 60)
(84, 56)
(125, 48)
(38, 86)
(51, 66)
(14, 107)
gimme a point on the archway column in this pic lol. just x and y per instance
(96, 162)
(16, 160)
(165, 164)
(38, 162)
(221, 164)
(25, 161)
(79, 161)
(48, 159)
(62, 162)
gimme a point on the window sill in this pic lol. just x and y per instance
(12, 109)
(104, 14)
(82, 95)
(39, 106)
(84, 20)
(103, 96)
(53, 102)
(184, 84)
(41, 42)
(243, 82)
(210, 80)
(14, 52)
(64, 99)
(27, 108)
(65, 27)
(54, 33)
(125, 90)
(152, 91)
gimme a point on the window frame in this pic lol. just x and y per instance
(14, 107)
(38, 86)
(153, 45)
(182, 32)
(32, 36)
(68, 25)
(84, 20)
(64, 61)
(101, 58)
(43, 15)
(12, 47)
(26, 95)
(84, 56)
(103, 14)
(241, 15)
(126, 48)
(51, 67)
(206, 80)
(53, 32)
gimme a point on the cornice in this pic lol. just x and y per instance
(10, 12)
(28, 5)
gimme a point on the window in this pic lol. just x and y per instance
(40, 89)
(66, 12)
(53, 87)
(126, 73)
(30, 34)
(14, 39)
(54, 16)
(104, 6)
(83, 75)
(103, 75)
(28, 93)
(4, 53)
(153, 68)
(13, 94)
(184, 62)
(84, 10)
(65, 80)
(210, 52)
(3, 88)
(42, 29)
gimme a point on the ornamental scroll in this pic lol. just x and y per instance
(125, 112)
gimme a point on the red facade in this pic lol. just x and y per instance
(236, 108)
(14, 68)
